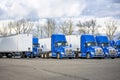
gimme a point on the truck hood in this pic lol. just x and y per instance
(92, 48)
(109, 48)
(63, 48)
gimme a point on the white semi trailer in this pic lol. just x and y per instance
(15, 44)
(45, 47)
(74, 41)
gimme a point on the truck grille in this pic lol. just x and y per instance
(112, 52)
(99, 51)
(68, 51)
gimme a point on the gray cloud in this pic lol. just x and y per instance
(102, 8)
(116, 1)
(35, 9)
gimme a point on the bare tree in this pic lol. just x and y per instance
(3, 31)
(50, 27)
(10, 27)
(88, 27)
(82, 29)
(70, 27)
(111, 27)
(38, 31)
(22, 26)
(63, 27)
(94, 27)
(66, 27)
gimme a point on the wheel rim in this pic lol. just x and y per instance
(45, 55)
(88, 56)
(58, 56)
(42, 55)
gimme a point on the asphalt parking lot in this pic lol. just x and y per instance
(65, 69)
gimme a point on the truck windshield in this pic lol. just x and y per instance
(90, 44)
(62, 44)
(36, 45)
(104, 44)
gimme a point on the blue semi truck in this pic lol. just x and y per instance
(104, 43)
(22, 45)
(35, 49)
(117, 47)
(85, 46)
(56, 47)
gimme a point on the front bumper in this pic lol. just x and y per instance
(108, 55)
(68, 56)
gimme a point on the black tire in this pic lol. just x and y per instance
(31, 55)
(9, 55)
(1, 56)
(88, 56)
(24, 55)
(76, 55)
(112, 57)
(49, 55)
(58, 56)
(70, 58)
(102, 58)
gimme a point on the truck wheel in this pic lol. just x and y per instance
(88, 56)
(24, 56)
(77, 55)
(0, 55)
(31, 55)
(9, 55)
(42, 56)
(49, 55)
(46, 55)
(112, 57)
(58, 56)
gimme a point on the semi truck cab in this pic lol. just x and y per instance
(35, 49)
(89, 49)
(103, 42)
(60, 48)
(117, 47)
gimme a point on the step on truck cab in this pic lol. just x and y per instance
(103, 42)
(56, 47)
(85, 46)
(117, 47)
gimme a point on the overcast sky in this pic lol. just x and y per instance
(35, 9)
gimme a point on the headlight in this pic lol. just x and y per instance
(62, 53)
(114, 51)
(92, 52)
